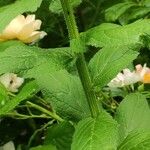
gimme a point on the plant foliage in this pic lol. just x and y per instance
(65, 102)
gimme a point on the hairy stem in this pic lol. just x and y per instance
(81, 63)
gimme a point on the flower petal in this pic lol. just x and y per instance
(14, 27)
(29, 18)
(42, 34)
(34, 37)
(26, 30)
(37, 24)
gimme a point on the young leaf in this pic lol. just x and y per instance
(63, 90)
(136, 141)
(133, 114)
(101, 36)
(60, 135)
(114, 12)
(106, 64)
(28, 90)
(8, 12)
(96, 133)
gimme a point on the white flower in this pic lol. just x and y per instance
(125, 78)
(24, 29)
(8, 146)
(11, 81)
(140, 74)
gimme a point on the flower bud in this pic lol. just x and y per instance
(11, 81)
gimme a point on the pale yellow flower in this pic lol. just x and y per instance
(8, 146)
(24, 29)
(11, 81)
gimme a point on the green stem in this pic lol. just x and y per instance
(52, 114)
(87, 85)
(81, 63)
(22, 116)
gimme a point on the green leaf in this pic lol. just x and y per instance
(42, 64)
(3, 95)
(6, 2)
(106, 64)
(63, 90)
(146, 40)
(7, 44)
(8, 12)
(114, 12)
(133, 14)
(133, 114)
(44, 147)
(96, 133)
(20, 58)
(146, 3)
(136, 141)
(104, 35)
(56, 7)
(28, 90)
(60, 135)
